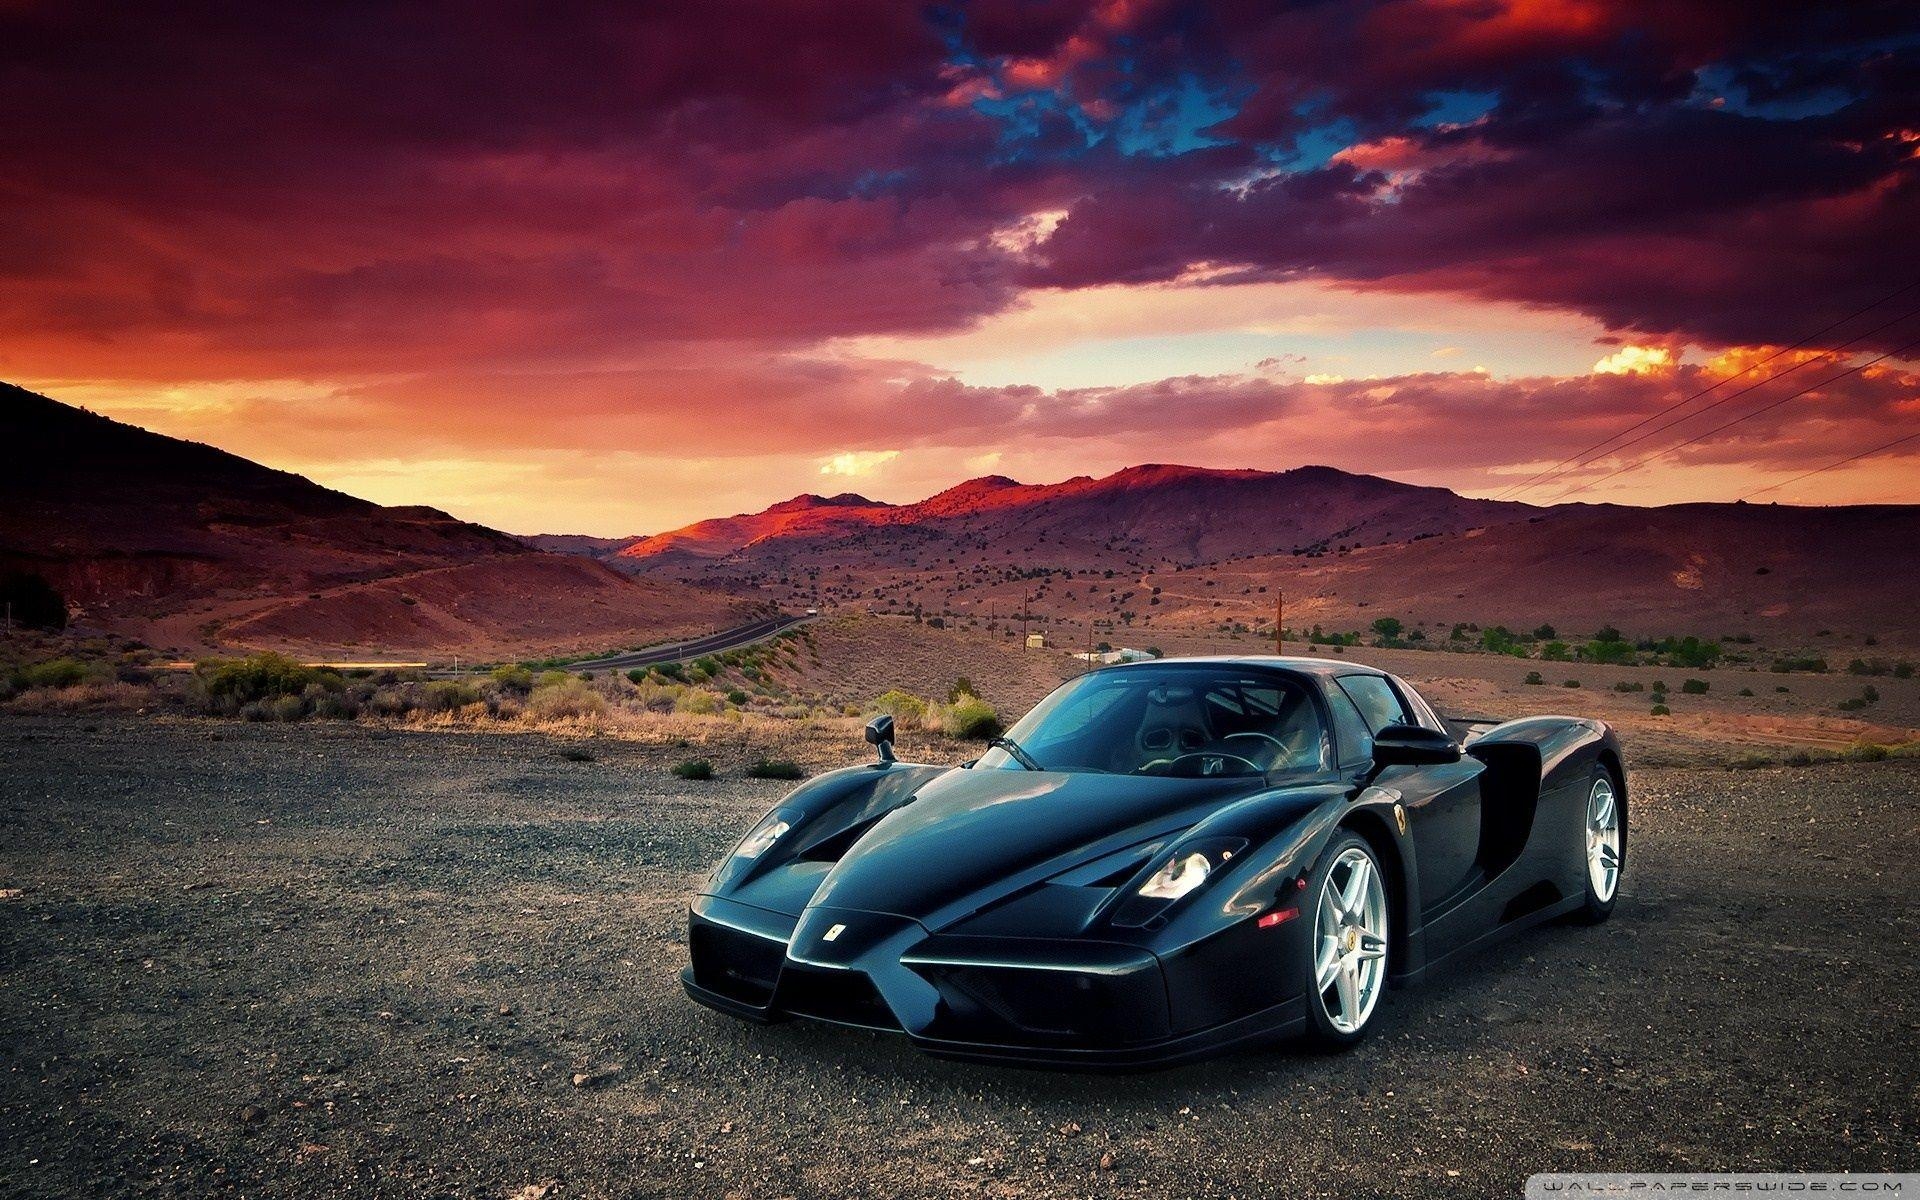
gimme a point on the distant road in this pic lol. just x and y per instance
(712, 643)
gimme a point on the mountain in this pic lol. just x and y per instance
(1150, 513)
(192, 547)
(1164, 546)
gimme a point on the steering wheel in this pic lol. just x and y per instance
(1286, 751)
(1252, 766)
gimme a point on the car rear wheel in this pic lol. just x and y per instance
(1606, 843)
(1349, 961)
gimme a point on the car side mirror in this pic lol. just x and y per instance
(880, 735)
(1412, 745)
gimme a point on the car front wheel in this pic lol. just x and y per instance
(1349, 964)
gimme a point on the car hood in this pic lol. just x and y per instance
(970, 837)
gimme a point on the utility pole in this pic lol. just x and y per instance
(1279, 621)
(1023, 621)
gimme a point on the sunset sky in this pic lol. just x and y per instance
(576, 268)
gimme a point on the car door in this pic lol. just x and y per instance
(1442, 800)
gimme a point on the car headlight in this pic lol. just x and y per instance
(764, 835)
(1189, 866)
(1182, 873)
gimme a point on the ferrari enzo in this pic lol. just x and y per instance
(1160, 861)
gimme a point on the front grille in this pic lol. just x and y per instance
(735, 963)
(848, 997)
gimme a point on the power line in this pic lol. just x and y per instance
(1830, 466)
(1765, 408)
(1522, 486)
(1585, 458)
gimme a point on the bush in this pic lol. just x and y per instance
(287, 708)
(973, 719)
(964, 687)
(637, 676)
(775, 768)
(671, 670)
(53, 673)
(230, 683)
(736, 696)
(513, 677)
(694, 768)
(1746, 691)
(563, 701)
(1786, 666)
(1799, 758)
(904, 707)
(1694, 687)
(1748, 762)
(445, 695)
(1630, 685)
(699, 703)
(1865, 752)
(1607, 650)
(1661, 710)
(1534, 678)
(1572, 683)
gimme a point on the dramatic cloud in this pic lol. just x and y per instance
(781, 232)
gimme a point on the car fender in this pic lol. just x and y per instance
(827, 807)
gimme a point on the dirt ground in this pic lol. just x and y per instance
(259, 960)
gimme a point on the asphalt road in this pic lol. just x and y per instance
(280, 961)
(713, 643)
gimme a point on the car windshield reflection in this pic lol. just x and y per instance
(1195, 722)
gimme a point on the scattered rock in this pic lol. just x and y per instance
(535, 1191)
(252, 1114)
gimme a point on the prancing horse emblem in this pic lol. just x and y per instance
(833, 933)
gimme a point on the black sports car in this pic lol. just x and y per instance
(1161, 860)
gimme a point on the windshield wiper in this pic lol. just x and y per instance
(1020, 756)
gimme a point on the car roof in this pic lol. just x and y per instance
(1305, 666)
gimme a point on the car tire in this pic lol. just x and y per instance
(1358, 939)
(1604, 821)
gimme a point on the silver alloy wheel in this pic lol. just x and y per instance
(1603, 839)
(1350, 959)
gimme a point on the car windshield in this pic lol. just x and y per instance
(1169, 720)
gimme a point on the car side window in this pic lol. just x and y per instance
(1376, 700)
(1424, 714)
(1349, 728)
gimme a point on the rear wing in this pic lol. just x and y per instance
(1466, 729)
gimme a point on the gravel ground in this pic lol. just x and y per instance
(278, 961)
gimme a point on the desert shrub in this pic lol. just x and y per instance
(1661, 710)
(694, 768)
(575, 754)
(1694, 687)
(1689, 652)
(904, 707)
(964, 686)
(775, 768)
(672, 670)
(1572, 683)
(334, 706)
(513, 677)
(1533, 677)
(637, 676)
(1903, 670)
(1555, 651)
(1614, 650)
(445, 695)
(564, 701)
(1629, 685)
(1786, 666)
(54, 673)
(1749, 762)
(972, 719)
(707, 664)
(699, 703)
(287, 708)
(265, 676)
(388, 702)
(1799, 758)
(736, 696)
(1746, 691)
(551, 678)
(1865, 752)
(658, 697)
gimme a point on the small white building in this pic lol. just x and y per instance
(1119, 654)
